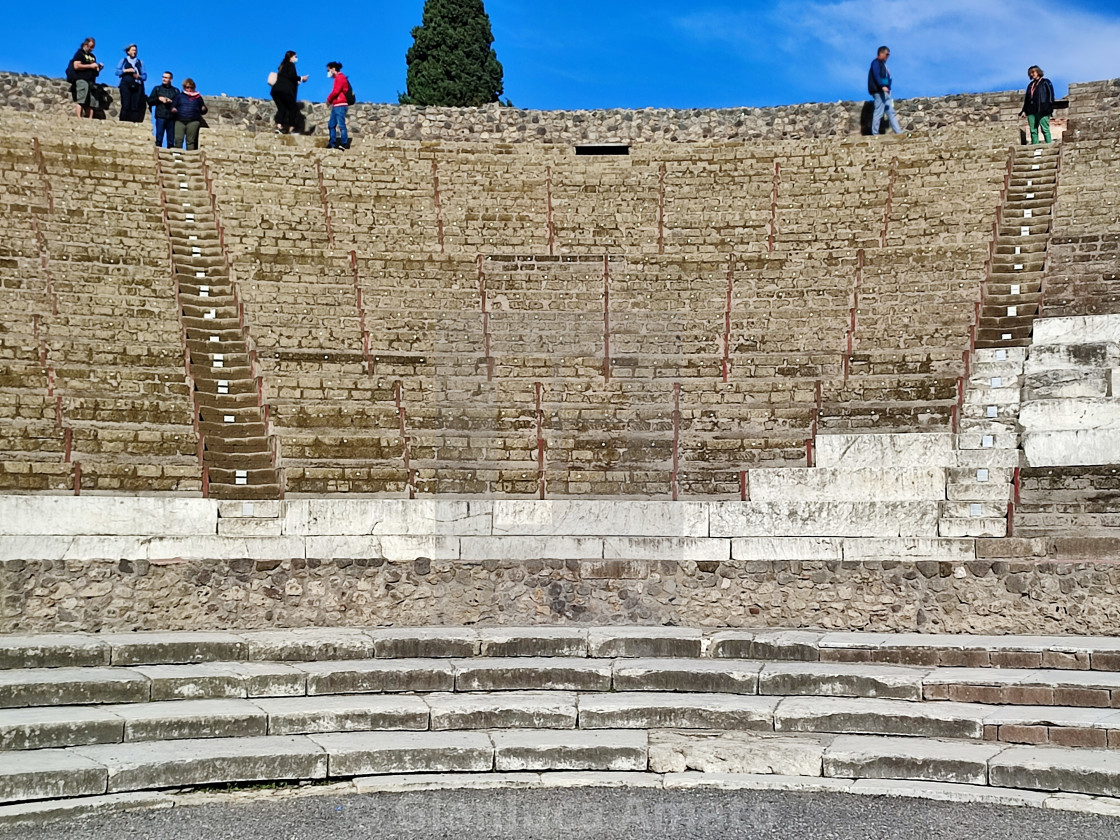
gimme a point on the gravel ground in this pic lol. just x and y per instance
(586, 813)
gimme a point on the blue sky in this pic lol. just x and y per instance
(601, 54)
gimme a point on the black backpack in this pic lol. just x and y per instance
(350, 98)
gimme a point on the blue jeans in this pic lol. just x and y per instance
(165, 130)
(883, 102)
(338, 120)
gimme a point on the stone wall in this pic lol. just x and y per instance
(114, 563)
(512, 125)
(1094, 109)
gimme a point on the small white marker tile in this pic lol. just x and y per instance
(1024, 231)
(987, 441)
(1001, 355)
(975, 510)
(997, 382)
(1028, 213)
(992, 411)
(1007, 336)
(1015, 288)
(1012, 311)
(981, 475)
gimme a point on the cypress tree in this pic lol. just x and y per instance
(451, 61)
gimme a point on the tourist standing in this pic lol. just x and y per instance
(160, 99)
(130, 71)
(187, 107)
(284, 94)
(1038, 103)
(339, 100)
(879, 86)
(82, 75)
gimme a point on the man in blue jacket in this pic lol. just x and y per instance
(879, 86)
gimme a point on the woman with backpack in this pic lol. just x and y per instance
(284, 87)
(340, 99)
(1038, 103)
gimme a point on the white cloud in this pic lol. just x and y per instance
(936, 47)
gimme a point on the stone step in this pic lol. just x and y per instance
(884, 450)
(97, 770)
(78, 658)
(846, 484)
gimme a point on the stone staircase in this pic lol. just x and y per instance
(84, 716)
(988, 410)
(237, 452)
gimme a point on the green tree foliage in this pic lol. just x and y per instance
(451, 61)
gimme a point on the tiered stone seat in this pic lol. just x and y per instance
(110, 343)
(679, 281)
(85, 716)
(1085, 252)
(269, 196)
(32, 447)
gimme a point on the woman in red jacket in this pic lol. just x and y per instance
(339, 103)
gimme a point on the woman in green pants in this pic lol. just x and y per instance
(1038, 103)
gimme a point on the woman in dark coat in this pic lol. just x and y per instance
(1038, 103)
(284, 94)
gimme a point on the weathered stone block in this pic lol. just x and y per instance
(346, 713)
(532, 674)
(863, 757)
(618, 751)
(633, 710)
(159, 764)
(367, 753)
(503, 710)
(49, 774)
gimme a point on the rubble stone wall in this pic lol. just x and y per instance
(512, 125)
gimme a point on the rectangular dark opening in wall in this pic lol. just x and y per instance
(603, 149)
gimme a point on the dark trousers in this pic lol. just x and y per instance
(165, 132)
(133, 102)
(287, 110)
(187, 131)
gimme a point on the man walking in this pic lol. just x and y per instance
(879, 86)
(160, 99)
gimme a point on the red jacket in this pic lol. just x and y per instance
(337, 96)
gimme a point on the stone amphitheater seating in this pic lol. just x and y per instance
(103, 326)
(757, 332)
(122, 713)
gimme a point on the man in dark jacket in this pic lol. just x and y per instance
(160, 100)
(879, 86)
(1038, 103)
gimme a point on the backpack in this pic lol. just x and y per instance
(350, 98)
(272, 77)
